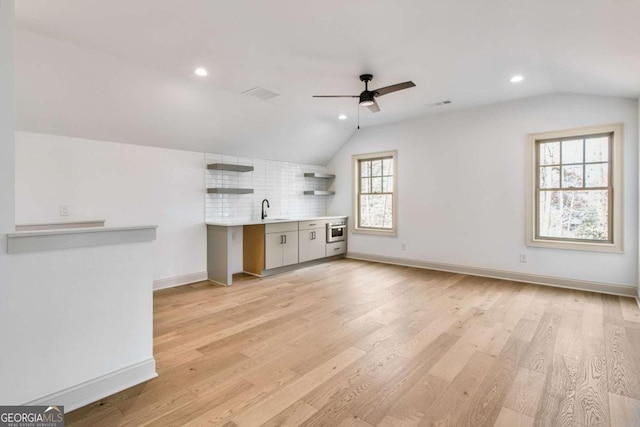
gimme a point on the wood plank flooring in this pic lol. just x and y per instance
(352, 343)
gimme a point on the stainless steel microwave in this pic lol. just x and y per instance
(337, 231)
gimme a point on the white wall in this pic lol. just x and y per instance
(121, 183)
(129, 185)
(7, 120)
(74, 316)
(66, 317)
(462, 187)
(7, 287)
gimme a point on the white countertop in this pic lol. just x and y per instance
(276, 220)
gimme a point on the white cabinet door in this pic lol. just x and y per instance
(280, 249)
(290, 248)
(273, 243)
(312, 244)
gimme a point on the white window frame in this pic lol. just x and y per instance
(616, 216)
(393, 231)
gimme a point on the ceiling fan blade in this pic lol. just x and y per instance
(393, 88)
(336, 96)
(374, 107)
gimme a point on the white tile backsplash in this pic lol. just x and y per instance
(282, 183)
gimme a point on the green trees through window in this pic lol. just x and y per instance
(575, 194)
(573, 188)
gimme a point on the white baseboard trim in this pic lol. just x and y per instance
(93, 390)
(185, 279)
(604, 288)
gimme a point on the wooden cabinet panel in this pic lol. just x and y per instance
(253, 249)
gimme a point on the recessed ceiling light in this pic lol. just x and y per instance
(516, 79)
(201, 72)
(342, 117)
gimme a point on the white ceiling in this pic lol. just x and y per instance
(122, 70)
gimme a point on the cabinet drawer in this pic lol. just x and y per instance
(337, 248)
(280, 227)
(309, 225)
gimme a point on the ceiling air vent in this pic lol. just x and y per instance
(260, 93)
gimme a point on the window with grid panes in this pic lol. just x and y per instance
(576, 187)
(375, 192)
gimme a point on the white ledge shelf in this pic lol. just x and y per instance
(319, 193)
(60, 225)
(49, 240)
(230, 190)
(229, 167)
(319, 175)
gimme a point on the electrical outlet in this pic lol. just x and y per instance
(64, 210)
(403, 246)
(523, 257)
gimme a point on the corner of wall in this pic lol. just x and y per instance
(7, 121)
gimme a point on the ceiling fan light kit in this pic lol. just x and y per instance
(367, 98)
(365, 102)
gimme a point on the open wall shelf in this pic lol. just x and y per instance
(229, 167)
(319, 193)
(319, 175)
(230, 190)
(323, 176)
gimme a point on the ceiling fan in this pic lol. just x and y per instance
(368, 97)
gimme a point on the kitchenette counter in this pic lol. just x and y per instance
(272, 221)
(266, 247)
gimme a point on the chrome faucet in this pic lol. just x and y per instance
(264, 210)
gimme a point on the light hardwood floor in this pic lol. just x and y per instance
(353, 343)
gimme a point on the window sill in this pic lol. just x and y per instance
(389, 233)
(577, 246)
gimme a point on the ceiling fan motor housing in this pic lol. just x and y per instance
(366, 98)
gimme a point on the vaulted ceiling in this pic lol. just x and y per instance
(122, 71)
